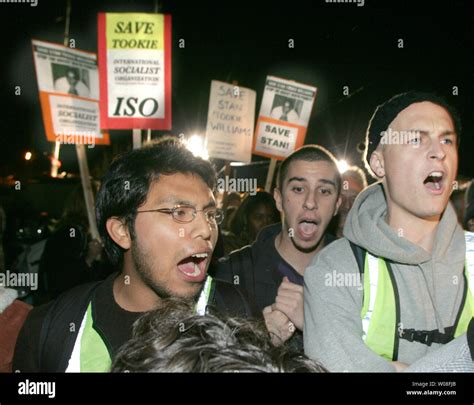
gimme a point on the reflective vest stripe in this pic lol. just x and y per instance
(468, 310)
(201, 305)
(74, 365)
(379, 325)
(372, 264)
(90, 353)
(470, 258)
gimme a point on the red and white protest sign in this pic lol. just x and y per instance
(68, 83)
(283, 118)
(135, 70)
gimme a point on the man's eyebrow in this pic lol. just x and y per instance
(210, 204)
(327, 181)
(294, 178)
(324, 181)
(424, 132)
(449, 132)
(418, 131)
(178, 201)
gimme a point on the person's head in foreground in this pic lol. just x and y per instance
(158, 219)
(412, 147)
(173, 339)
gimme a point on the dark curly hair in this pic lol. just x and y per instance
(125, 186)
(173, 339)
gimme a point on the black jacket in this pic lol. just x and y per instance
(256, 268)
(46, 341)
(259, 270)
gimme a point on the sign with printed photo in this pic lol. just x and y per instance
(283, 118)
(68, 83)
(135, 70)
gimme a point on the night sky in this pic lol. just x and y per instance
(336, 45)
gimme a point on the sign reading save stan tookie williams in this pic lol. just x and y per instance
(135, 70)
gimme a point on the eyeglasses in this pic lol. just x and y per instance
(185, 214)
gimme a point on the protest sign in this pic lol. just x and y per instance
(283, 118)
(68, 83)
(230, 122)
(135, 70)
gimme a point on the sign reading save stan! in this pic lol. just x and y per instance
(135, 70)
(230, 122)
(284, 116)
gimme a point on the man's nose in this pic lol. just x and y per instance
(436, 150)
(202, 227)
(310, 201)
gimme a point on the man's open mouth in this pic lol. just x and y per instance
(307, 228)
(194, 267)
(434, 181)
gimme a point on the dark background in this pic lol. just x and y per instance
(336, 45)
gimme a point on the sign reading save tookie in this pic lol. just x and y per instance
(135, 70)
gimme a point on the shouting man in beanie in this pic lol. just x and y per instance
(395, 288)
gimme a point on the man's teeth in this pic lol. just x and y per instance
(200, 255)
(436, 174)
(435, 179)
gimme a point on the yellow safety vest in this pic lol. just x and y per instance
(381, 307)
(90, 353)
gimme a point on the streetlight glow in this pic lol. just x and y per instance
(195, 144)
(342, 165)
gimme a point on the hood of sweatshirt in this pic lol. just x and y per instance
(365, 226)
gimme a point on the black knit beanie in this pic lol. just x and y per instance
(385, 113)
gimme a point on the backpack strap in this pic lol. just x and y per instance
(359, 254)
(61, 325)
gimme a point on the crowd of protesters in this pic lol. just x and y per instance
(324, 274)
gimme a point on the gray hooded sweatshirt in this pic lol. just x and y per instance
(430, 287)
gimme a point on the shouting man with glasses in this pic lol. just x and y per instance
(158, 220)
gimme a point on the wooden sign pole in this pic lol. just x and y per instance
(137, 138)
(87, 189)
(82, 159)
(270, 174)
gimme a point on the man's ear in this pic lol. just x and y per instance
(338, 204)
(118, 231)
(278, 197)
(377, 163)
